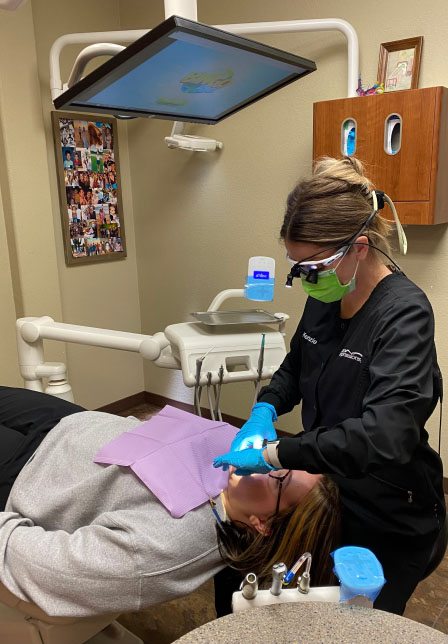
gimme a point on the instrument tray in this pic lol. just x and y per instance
(223, 318)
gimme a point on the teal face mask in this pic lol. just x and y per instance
(328, 287)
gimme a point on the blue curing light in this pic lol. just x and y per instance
(260, 279)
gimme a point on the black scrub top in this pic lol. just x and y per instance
(367, 387)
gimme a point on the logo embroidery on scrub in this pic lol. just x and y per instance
(307, 337)
(351, 355)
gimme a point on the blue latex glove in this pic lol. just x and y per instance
(257, 428)
(246, 461)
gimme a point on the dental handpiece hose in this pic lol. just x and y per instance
(289, 576)
(218, 414)
(260, 366)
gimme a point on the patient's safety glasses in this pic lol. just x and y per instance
(278, 480)
(310, 268)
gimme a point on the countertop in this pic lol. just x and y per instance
(313, 623)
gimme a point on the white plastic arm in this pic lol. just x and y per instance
(10, 5)
(91, 38)
(87, 54)
(46, 328)
(324, 24)
(223, 296)
(31, 332)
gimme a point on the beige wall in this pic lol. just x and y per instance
(30, 277)
(199, 217)
(192, 220)
(104, 295)
(10, 372)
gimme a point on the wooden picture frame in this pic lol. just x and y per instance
(399, 64)
(89, 181)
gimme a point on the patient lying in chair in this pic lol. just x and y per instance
(78, 538)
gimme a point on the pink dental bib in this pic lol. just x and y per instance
(172, 454)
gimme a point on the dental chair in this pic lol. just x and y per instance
(25, 623)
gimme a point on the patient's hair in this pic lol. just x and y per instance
(313, 526)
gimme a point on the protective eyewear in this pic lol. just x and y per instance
(310, 268)
(280, 480)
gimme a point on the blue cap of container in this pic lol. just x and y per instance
(359, 572)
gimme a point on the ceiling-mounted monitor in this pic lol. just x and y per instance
(185, 71)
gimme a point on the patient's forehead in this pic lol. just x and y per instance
(299, 484)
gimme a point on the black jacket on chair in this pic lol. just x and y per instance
(25, 419)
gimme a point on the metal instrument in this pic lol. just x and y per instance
(304, 583)
(197, 387)
(249, 586)
(217, 390)
(209, 395)
(278, 572)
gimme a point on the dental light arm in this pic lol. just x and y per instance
(87, 54)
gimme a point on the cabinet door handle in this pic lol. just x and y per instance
(349, 130)
(393, 131)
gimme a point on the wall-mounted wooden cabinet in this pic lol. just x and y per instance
(402, 137)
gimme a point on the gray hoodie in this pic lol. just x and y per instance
(80, 539)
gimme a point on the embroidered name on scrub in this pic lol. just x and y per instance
(307, 337)
(351, 355)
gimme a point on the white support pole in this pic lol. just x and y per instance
(183, 8)
(31, 356)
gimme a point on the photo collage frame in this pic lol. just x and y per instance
(89, 188)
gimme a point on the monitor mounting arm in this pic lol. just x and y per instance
(188, 9)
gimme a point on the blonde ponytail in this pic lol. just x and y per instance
(332, 205)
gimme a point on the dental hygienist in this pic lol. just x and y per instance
(363, 364)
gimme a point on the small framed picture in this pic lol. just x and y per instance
(88, 171)
(399, 64)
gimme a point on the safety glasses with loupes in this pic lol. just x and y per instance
(310, 269)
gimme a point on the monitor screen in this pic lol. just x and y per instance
(183, 70)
